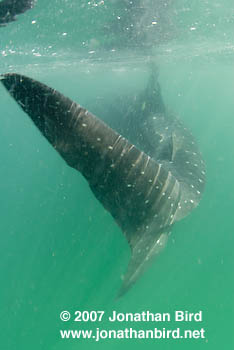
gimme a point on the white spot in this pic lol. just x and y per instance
(163, 194)
(203, 172)
(84, 125)
(142, 172)
(195, 164)
(192, 186)
(172, 205)
(150, 180)
(129, 185)
(198, 192)
(191, 201)
(147, 201)
(98, 139)
(110, 147)
(200, 180)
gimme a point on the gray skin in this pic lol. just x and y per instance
(146, 182)
(10, 8)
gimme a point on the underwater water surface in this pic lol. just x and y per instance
(60, 250)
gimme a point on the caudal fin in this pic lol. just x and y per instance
(140, 194)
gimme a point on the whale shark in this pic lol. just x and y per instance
(146, 171)
(9, 9)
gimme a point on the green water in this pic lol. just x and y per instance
(59, 249)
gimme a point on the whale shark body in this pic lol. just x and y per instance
(147, 178)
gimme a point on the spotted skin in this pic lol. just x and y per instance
(178, 152)
(146, 183)
(146, 122)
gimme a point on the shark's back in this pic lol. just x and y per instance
(146, 122)
(147, 178)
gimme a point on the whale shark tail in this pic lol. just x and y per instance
(140, 194)
(146, 249)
